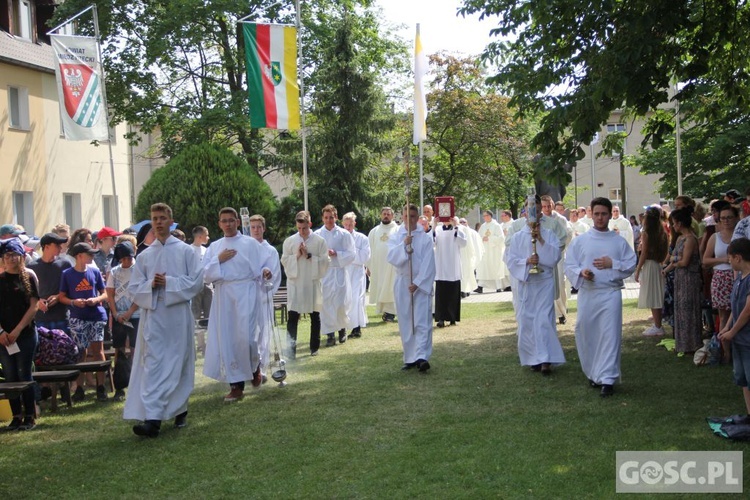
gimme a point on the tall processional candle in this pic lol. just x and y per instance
(533, 221)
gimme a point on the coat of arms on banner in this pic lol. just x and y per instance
(273, 71)
(80, 87)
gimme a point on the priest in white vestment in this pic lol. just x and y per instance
(565, 234)
(357, 278)
(506, 220)
(233, 264)
(337, 291)
(538, 345)
(546, 222)
(584, 215)
(597, 262)
(414, 260)
(382, 274)
(166, 276)
(305, 260)
(266, 289)
(621, 225)
(471, 254)
(490, 271)
(575, 222)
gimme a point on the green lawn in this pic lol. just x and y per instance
(350, 424)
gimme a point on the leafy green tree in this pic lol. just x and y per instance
(476, 150)
(350, 121)
(715, 147)
(178, 67)
(202, 179)
(578, 60)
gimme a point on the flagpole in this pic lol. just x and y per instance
(104, 98)
(302, 103)
(420, 109)
(421, 176)
(71, 19)
(106, 118)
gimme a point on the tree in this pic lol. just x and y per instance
(350, 121)
(578, 60)
(476, 151)
(201, 180)
(715, 151)
(178, 66)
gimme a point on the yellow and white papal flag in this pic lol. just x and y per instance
(420, 97)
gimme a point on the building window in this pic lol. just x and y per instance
(618, 127)
(614, 196)
(18, 104)
(23, 210)
(108, 205)
(21, 19)
(72, 209)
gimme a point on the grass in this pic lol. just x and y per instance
(350, 424)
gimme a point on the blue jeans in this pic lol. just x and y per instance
(17, 368)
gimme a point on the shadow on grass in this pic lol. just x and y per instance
(352, 424)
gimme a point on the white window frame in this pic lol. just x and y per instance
(68, 29)
(22, 20)
(615, 127)
(18, 108)
(618, 127)
(615, 196)
(23, 210)
(72, 209)
(108, 211)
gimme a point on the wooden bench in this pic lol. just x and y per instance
(85, 367)
(10, 390)
(279, 303)
(58, 379)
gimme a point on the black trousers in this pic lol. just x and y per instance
(447, 300)
(291, 327)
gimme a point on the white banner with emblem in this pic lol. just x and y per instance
(79, 88)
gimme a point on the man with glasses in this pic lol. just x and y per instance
(232, 264)
(305, 260)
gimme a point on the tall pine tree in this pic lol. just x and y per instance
(350, 121)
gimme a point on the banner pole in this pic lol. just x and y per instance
(93, 6)
(106, 118)
(302, 103)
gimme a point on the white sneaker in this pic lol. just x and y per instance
(653, 331)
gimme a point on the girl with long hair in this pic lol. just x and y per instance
(686, 263)
(654, 248)
(18, 303)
